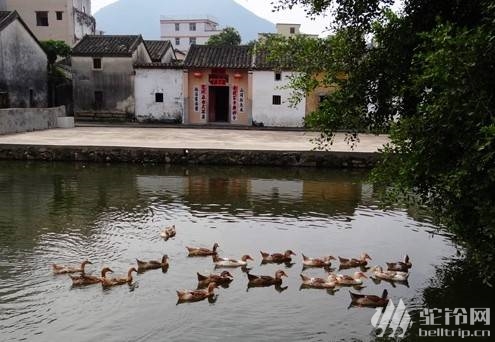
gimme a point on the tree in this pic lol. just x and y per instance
(426, 78)
(228, 36)
(55, 49)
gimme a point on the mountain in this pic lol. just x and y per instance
(143, 16)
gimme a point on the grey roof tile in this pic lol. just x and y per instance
(106, 45)
(205, 56)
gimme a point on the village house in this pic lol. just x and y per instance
(183, 33)
(103, 76)
(23, 65)
(65, 20)
(158, 86)
(217, 83)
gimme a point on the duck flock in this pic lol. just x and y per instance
(397, 272)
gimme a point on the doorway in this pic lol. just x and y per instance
(218, 104)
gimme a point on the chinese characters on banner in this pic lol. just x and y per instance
(203, 101)
(456, 316)
(196, 99)
(241, 100)
(235, 94)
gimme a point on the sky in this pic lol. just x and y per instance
(263, 9)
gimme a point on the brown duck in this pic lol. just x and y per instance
(168, 232)
(200, 251)
(85, 279)
(318, 262)
(152, 264)
(221, 279)
(277, 257)
(349, 263)
(196, 295)
(255, 280)
(400, 266)
(369, 300)
(319, 283)
(119, 280)
(61, 269)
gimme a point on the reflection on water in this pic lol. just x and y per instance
(112, 214)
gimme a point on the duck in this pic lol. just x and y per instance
(401, 266)
(119, 280)
(200, 251)
(152, 264)
(221, 279)
(168, 232)
(85, 279)
(369, 300)
(255, 280)
(349, 263)
(399, 276)
(318, 262)
(346, 280)
(196, 295)
(61, 269)
(319, 283)
(226, 262)
(277, 257)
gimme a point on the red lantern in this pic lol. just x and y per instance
(197, 74)
(237, 75)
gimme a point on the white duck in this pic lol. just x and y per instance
(319, 283)
(356, 279)
(379, 273)
(226, 262)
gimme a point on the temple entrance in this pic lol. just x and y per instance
(218, 104)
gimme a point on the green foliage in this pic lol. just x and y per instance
(55, 49)
(426, 77)
(228, 36)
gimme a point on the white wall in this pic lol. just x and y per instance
(202, 33)
(264, 87)
(166, 81)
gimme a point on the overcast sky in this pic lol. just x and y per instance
(263, 9)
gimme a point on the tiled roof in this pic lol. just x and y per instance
(159, 65)
(263, 62)
(118, 46)
(157, 48)
(205, 56)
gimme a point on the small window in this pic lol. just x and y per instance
(158, 97)
(31, 98)
(192, 40)
(177, 41)
(292, 30)
(177, 27)
(42, 18)
(277, 100)
(98, 100)
(96, 63)
(192, 26)
(278, 76)
(59, 15)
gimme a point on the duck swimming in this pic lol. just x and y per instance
(223, 278)
(349, 263)
(119, 280)
(61, 269)
(369, 300)
(168, 232)
(318, 262)
(152, 264)
(346, 280)
(89, 279)
(399, 276)
(401, 266)
(226, 262)
(255, 280)
(200, 251)
(319, 283)
(277, 257)
(196, 295)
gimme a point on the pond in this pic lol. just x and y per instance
(112, 214)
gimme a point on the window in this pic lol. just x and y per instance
(42, 18)
(98, 100)
(177, 41)
(192, 26)
(277, 100)
(292, 30)
(96, 63)
(59, 15)
(192, 40)
(31, 98)
(278, 76)
(177, 27)
(4, 100)
(158, 97)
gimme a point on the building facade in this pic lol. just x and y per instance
(66, 20)
(217, 83)
(103, 76)
(183, 33)
(23, 65)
